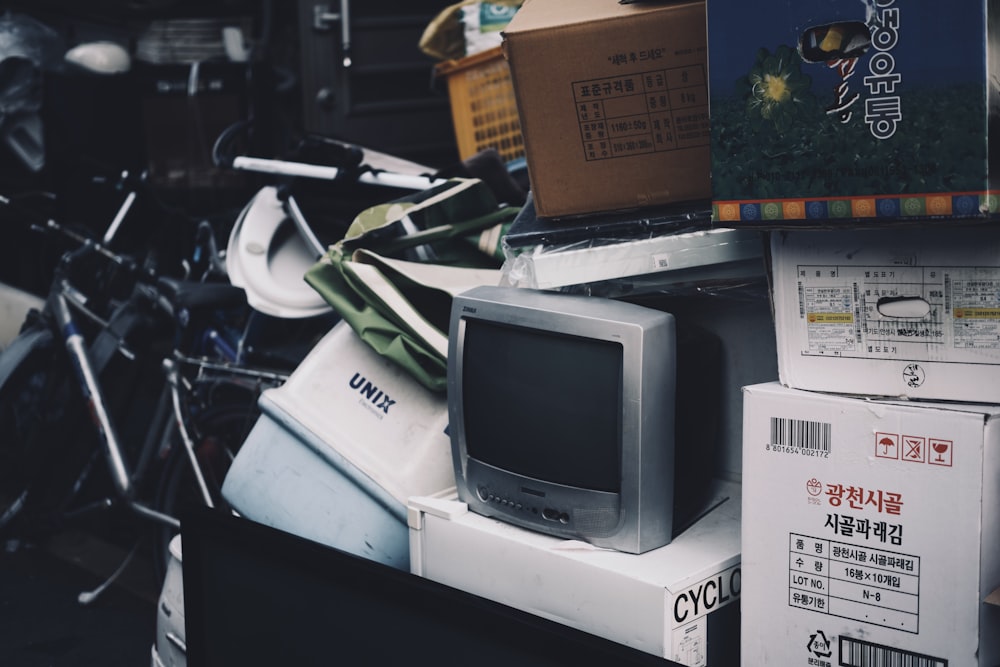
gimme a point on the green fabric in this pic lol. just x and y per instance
(393, 275)
(448, 221)
(379, 329)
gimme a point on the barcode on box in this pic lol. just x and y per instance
(801, 434)
(857, 653)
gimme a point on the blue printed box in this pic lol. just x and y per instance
(852, 111)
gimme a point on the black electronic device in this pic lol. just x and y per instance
(255, 595)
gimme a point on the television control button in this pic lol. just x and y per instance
(484, 493)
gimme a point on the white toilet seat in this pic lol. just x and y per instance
(268, 258)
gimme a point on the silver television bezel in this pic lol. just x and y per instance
(643, 509)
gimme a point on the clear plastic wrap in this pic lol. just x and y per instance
(624, 255)
(709, 255)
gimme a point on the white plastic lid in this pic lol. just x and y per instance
(268, 258)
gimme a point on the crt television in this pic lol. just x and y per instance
(561, 414)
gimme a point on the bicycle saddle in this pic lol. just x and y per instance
(268, 258)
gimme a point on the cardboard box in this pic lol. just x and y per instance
(845, 112)
(680, 601)
(870, 531)
(892, 312)
(613, 103)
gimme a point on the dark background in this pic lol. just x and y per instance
(143, 121)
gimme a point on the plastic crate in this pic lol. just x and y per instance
(483, 107)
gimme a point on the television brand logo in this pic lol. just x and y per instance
(371, 393)
(469, 309)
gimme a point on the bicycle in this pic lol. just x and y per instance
(192, 421)
(161, 369)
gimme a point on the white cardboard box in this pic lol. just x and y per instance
(903, 312)
(680, 601)
(871, 531)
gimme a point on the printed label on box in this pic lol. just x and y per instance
(691, 609)
(868, 585)
(900, 312)
(645, 112)
(860, 653)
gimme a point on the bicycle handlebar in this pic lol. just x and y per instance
(415, 182)
(86, 245)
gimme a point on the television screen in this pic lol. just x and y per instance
(533, 407)
(255, 595)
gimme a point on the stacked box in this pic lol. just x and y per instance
(839, 111)
(909, 313)
(870, 531)
(613, 103)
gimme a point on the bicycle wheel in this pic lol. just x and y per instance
(218, 433)
(37, 409)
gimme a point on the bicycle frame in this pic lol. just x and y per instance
(66, 307)
(63, 301)
(174, 382)
(181, 327)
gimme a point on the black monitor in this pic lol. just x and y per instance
(255, 595)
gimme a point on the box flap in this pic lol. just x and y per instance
(546, 15)
(446, 508)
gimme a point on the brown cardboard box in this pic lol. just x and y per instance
(613, 103)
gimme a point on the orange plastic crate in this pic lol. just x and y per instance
(483, 107)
